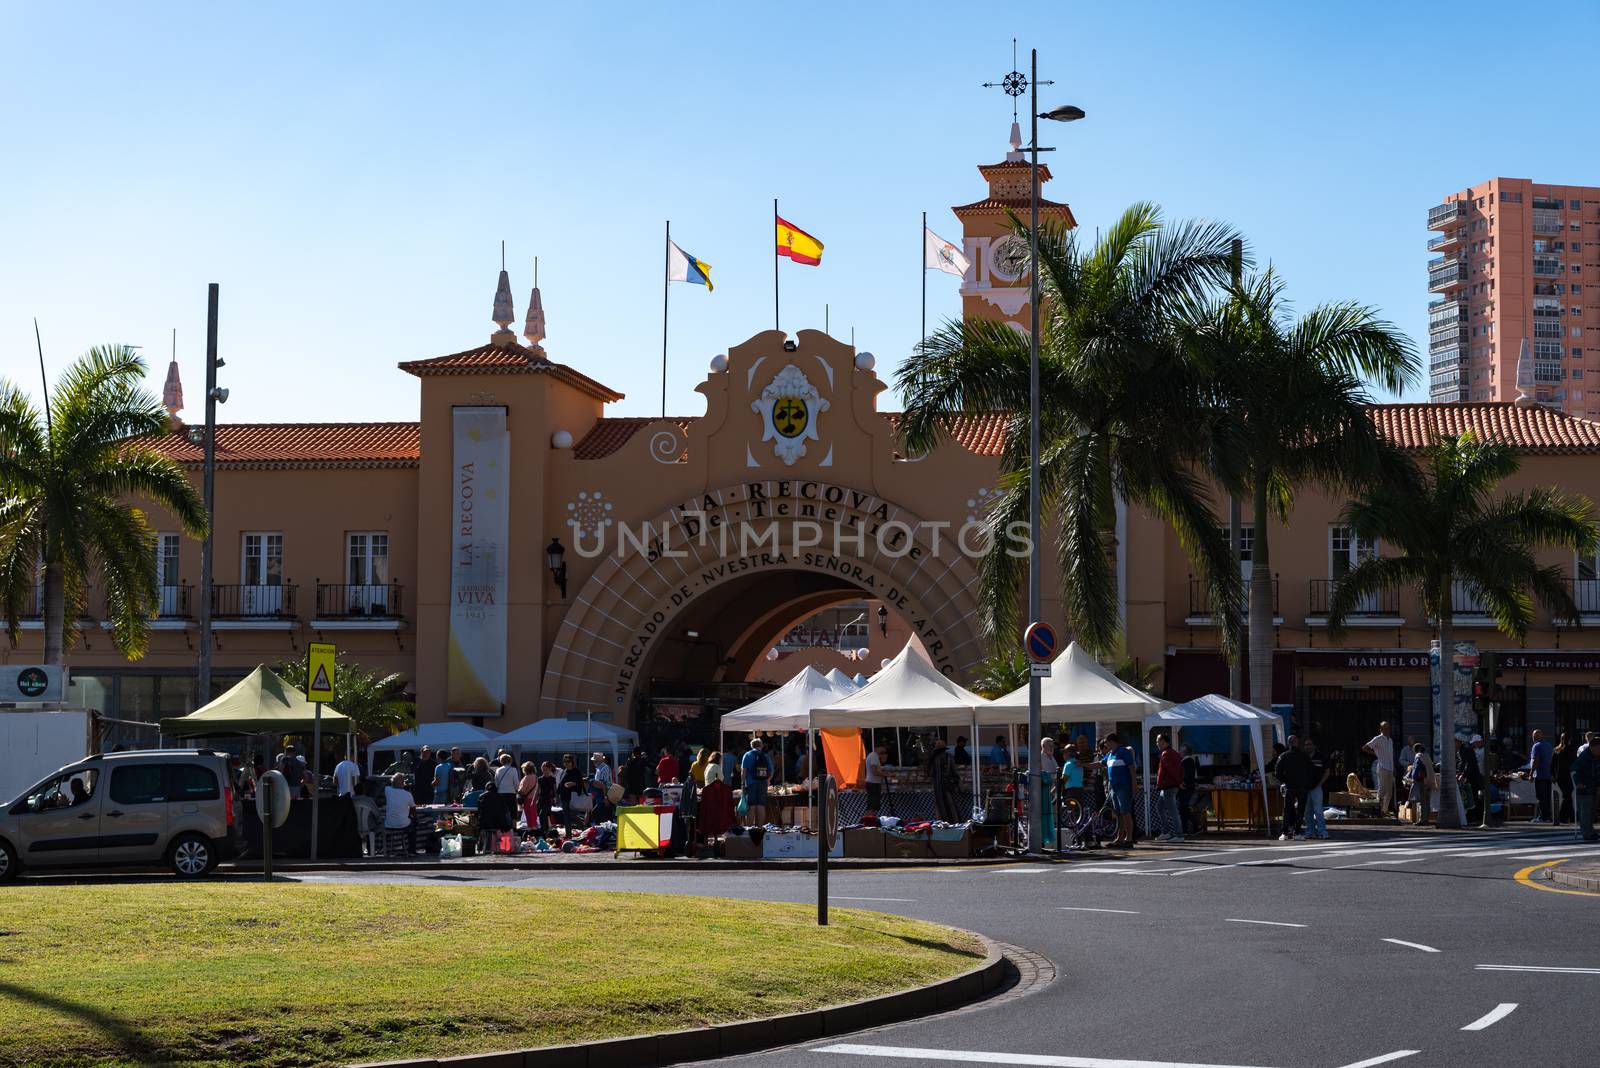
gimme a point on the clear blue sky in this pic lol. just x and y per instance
(347, 171)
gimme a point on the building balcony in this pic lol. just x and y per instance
(1445, 242)
(358, 606)
(1544, 226)
(1466, 606)
(1447, 215)
(1447, 337)
(1381, 609)
(1202, 610)
(1586, 595)
(1548, 268)
(253, 606)
(1450, 276)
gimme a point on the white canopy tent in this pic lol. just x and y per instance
(1078, 689)
(842, 682)
(908, 692)
(439, 736)
(788, 708)
(556, 734)
(1214, 710)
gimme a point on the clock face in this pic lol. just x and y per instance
(1008, 258)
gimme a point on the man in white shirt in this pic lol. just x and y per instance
(1382, 749)
(398, 807)
(875, 778)
(345, 776)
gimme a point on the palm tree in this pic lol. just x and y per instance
(67, 473)
(1453, 536)
(1001, 672)
(1290, 408)
(1118, 410)
(376, 702)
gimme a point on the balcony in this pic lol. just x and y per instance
(1448, 276)
(1547, 268)
(1447, 241)
(1586, 594)
(253, 607)
(1466, 606)
(358, 606)
(1381, 609)
(1447, 215)
(173, 609)
(1201, 609)
(1450, 336)
(1545, 226)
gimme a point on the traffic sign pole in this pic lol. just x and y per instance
(320, 666)
(316, 776)
(266, 835)
(829, 809)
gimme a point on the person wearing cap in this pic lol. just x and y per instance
(600, 779)
(757, 769)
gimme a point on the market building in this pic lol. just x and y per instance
(520, 554)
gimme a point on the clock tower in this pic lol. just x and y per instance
(990, 290)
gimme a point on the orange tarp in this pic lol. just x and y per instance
(847, 759)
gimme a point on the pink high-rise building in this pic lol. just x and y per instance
(1516, 261)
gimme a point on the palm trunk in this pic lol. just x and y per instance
(1260, 606)
(1445, 741)
(54, 612)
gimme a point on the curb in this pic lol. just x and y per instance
(745, 1036)
(253, 867)
(1582, 878)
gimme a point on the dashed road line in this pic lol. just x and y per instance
(1412, 945)
(1535, 968)
(1492, 1017)
(906, 900)
(1082, 908)
(1266, 923)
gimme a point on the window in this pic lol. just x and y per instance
(367, 569)
(191, 782)
(59, 791)
(1589, 567)
(1346, 551)
(1577, 372)
(167, 573)
(1247, 541)
(140, 784)
(263, 560)
(1575, 205)
(1576, 351)
(1577, 331)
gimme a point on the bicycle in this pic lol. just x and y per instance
(1084, 826)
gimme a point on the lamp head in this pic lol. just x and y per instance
(1064, 113)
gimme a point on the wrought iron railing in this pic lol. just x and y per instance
(252, 601)
(1201, 604)
(358, 600)
(1381, 603)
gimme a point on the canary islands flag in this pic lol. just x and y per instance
(798, 245)
(682, 267)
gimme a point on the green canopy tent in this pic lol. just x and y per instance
(262, 703)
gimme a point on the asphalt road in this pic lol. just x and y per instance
(1357, 951)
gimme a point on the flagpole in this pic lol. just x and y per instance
(924, 251)
(775, 325)
(665, 289)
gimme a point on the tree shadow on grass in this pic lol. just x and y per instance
(126, 1036)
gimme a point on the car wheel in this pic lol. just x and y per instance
(8, 861)
(192, 856)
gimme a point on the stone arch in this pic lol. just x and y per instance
(648, 576)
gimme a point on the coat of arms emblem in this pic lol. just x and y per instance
(789, 407)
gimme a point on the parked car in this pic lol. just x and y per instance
(173, 807)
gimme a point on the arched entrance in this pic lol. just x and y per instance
(743, 561)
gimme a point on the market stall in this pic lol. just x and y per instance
(554, 736)
(474, 741)
(1214, 710)
(259, 704)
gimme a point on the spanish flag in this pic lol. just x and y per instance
(798, 245)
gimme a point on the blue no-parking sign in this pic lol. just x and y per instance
(1039, 642)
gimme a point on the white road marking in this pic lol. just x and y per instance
(986, 1057)
(1241, 864)
(837, 897)
(1535, 968)
(1412, 945)
(1492, 1017)
(1385, 1059)
(1401, 860)
(1020, 871)
(1080, 908)
(1266, 923)
(1312, 871)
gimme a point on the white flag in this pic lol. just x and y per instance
(940, 255)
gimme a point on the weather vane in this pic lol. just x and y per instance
(1015, 84)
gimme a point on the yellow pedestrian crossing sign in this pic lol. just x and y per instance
(319, 672)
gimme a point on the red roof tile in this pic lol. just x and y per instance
(999, 205)
(1014, 165)
(1531, 429)
(514, 360)
(609, 435)
(283, 445)
(980, 433)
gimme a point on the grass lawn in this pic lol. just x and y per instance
(247, 974)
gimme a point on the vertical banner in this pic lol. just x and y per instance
(479, 543)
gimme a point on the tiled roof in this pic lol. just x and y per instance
(513, 360)
(1014, 165)
(980, 433)
(609, 435)
(1530, 429)
(286, 445)
(997, 205)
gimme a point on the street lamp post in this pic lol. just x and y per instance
(1065, 113)
(208, 491)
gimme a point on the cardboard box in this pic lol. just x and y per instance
(862, 842)
(740, 847)
(950, 848)
(897, 846)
